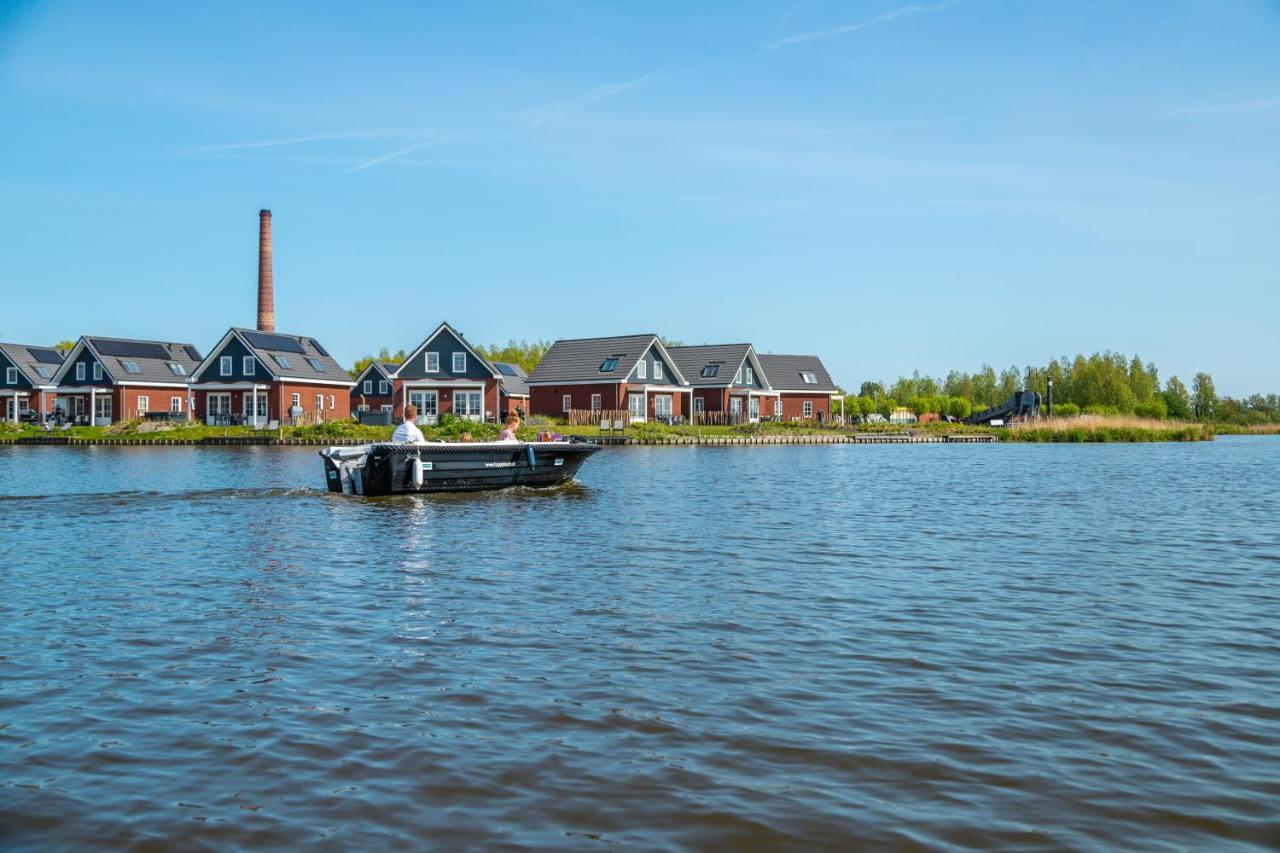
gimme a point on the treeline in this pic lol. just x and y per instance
(1107, 383)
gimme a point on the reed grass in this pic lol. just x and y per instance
(1106, 428)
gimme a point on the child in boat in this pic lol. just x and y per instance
(466, 438)
(509, 431)
(408, 432)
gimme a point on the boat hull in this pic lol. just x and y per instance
(388, 469)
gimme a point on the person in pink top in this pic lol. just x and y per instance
(509, 429)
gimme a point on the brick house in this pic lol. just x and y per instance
(259, 377)
(513, 389)
(446, 375)
(109, 379)
(27, 374)
(729, 386)
(804, 386)
(634, 373)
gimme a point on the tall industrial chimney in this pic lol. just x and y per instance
(266, 289)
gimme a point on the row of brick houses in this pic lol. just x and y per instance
(717, 383)
(263, 378)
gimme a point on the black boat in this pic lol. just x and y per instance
(390, 469)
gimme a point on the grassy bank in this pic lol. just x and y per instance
(1106, 429)
(1251, 429)
(138, 431)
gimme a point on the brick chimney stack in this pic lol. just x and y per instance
(266, 288)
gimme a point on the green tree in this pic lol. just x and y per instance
(959, 407)
(523, 353)
(1177, 400)
(65, 346)
(1203, 396)
(874, 390)
(384, 355)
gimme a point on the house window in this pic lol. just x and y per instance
(316, 365)
(595, 402)
(735, 405)
(809, 377)
(246, 365)
(80, 373)
(748, 376)
(657, 370)
(282, 360)
(699, 405)
(383, 388)
(11, 376)
(642, 369)
(144, 404)
(177, 369)
(332, 405)
(777, 408)
(175, 405)
(459, 362)
(44, 373)
(363, 407)
(711, 371)
(319, 402)
(386, 407)
(808, 408)
(662, 406)
(368, 386)
(635, 405)
(130, 366)
(97, 372)
(433, 362)
(79, 406)
(296, 401)
(566, 402)
(225, 365)
(609, 365)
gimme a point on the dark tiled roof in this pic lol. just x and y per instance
(512, 378)
(691, 361)
(152, 358)
(28, 357)
(376, 371)
(579, 360)
(298, 350)
(783, 373)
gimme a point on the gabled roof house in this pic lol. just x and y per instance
(634, 373)
(372, 390)
(27, 373)
(513, 388)
(729, 386)
(258, 377)
(804, 386)
(446, 375)
(108, 379)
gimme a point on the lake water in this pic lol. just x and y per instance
(885, 646)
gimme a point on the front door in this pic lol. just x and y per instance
(753, 409)
(635, 406)
(102, 410)
(217, 409)
(428, 403)
(255, 414)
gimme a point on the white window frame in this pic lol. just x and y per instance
(362, 407)
(657, 371)
(144, 403)
(246, 365)
(368, 387)
(663, 401)
(386, 407)
(11, 376)
(597, 402)
(808, 408)
(175, 405)
(809, 377)
(749, 375)
(566, 403)
(459, 366)
(384, 388)
(699, 405)
(431, 363)
(319, 402)
(642, 369)
(97, 372)
(735, 405)
(80, 372)
(226, 365)
(295, 401)
(777, 408)
(332, 402)
(637, 412)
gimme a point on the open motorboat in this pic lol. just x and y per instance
(389, 469)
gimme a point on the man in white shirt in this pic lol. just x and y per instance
(408, 432)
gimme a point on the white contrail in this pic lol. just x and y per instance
(593, 97)
(852, 28)
(289, 140)
(384, 158)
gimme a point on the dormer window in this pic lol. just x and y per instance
(609, 365)
(282, 360)
(711, 371)
(809, 377)
(433, 362)
(177, 369)
(130, 366)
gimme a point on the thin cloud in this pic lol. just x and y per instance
(843, 29)
(595, 96)
(386, 158)
(288, 140)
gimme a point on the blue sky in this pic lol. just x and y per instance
(897, 186)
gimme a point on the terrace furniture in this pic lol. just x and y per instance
(273, 425)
